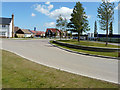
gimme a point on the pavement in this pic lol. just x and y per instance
(117, 44)
(40, 51)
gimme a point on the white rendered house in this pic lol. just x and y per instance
(7, 27)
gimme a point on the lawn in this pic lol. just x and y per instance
(88, 43)
(111, 54)
(18, 72)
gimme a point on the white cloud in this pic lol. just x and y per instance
(88, 16)
(50, 24)
(33, 14)
(50, 7)
(43, 8)
(113, 0)
(47, 2)
(63, 11)
(110, 0)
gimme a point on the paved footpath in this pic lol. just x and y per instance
(117, 44)
(42, 52)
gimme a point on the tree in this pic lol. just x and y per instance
(110, 30)
(59, 23)
(95, 29)
(79, 20)
(62, 24)
(105, 15)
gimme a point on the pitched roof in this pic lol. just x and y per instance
(52, 30)
(32, 31)
(26, 31)
(40, 32)
(5, 21)
(16, 29)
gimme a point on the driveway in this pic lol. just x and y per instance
(42, 52)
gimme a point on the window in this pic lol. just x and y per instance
(3, 26)
(2, 33)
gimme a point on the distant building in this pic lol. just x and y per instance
(113, 36)
(40, 34)
(23, 33)
(90, 35)
(33, 33)
(16, 29)
(34, 28)
(52, 32)
(7, 27)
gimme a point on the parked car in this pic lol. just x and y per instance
(81, 38)
(75, 37)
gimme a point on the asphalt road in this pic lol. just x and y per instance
(42, 52)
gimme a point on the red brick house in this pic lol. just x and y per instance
(40, 34)
(52, 32)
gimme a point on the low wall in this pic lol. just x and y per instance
(88, 48)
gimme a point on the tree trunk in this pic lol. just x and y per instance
(107, 29)
(66, 35)
(106, 34)
(60, 35)
(78, 36)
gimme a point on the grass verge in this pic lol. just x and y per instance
(111, 54)
(89, 43)
(18, 72)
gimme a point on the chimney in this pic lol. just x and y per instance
(12, 25)
(34, 28)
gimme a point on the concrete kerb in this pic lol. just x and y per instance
(116, 58)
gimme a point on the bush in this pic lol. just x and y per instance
(16, 35)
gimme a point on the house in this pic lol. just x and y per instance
(33, 32)
(52, 32)
(16, 29)
(7, 27)
(40, 34)
(23, 33)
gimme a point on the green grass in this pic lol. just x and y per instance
(88, 43)
(18, 72)
(111, 54)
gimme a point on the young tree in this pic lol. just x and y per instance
(65, 23)
(110, 30)
(95, 29)
(79, 19)
(62, 24)
(59, 23)
(105, 15)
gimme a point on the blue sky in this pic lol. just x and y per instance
(43, 15)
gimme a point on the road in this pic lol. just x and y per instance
(42, 52)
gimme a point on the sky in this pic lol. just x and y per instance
(42, 15)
